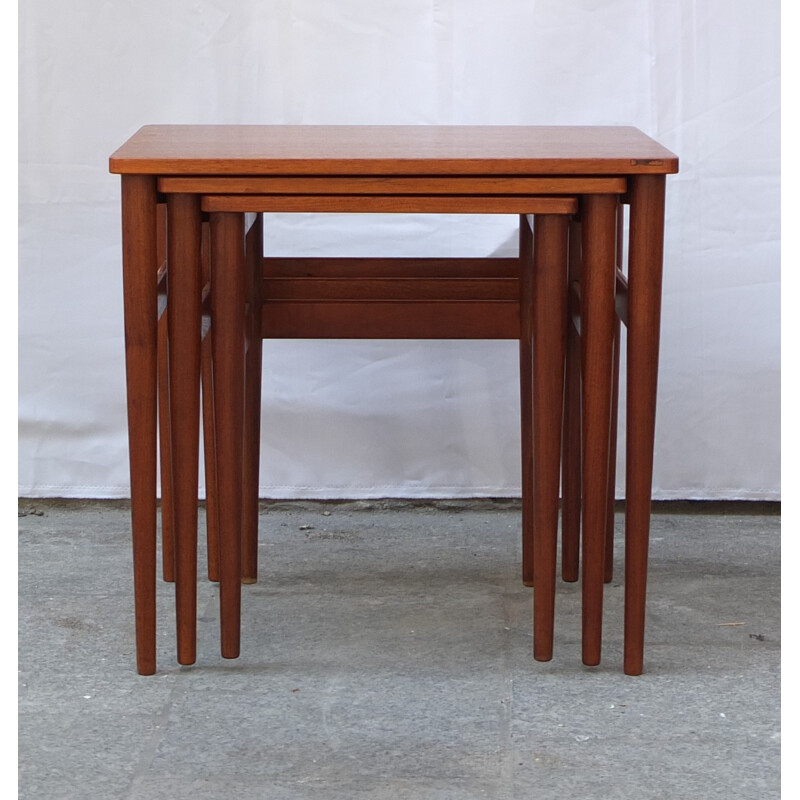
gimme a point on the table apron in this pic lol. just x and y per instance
(404, 185)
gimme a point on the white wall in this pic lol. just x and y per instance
(350, 419)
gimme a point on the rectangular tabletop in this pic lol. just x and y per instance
(219, 150)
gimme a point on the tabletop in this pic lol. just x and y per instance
(391, 150)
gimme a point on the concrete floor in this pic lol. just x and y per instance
(387, 654)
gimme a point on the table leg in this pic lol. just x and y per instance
(571, 436)
(228, 297)
(165, 453)
(139, 275)
(598, 215)
(209, 436)
(646, 246)
(164, 432)
(612, 449)
(252, 419)
(549, 335)
(608, 566)
(183, 314)
(526, 391)
(210, 459)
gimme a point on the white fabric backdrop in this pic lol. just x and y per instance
(356, 419)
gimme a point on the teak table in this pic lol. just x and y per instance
(564, 295)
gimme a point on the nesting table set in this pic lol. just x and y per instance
(200, 295)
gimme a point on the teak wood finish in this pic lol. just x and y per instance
(222, 172)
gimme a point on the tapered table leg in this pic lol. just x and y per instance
(183, 313)
(165, 453)
(598, 215)
(210, 460)
(571, 435)
(526, 391)
(228, 297)
(549, 335)
(209, 435)
(252, 419)
(164, 431)
(608, 566)
(139, 275)
(612, 448)
(646, 194)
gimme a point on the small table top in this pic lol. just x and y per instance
(417, 150)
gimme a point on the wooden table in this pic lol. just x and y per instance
(224, 171)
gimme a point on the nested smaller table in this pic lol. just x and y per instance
(567, 185)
